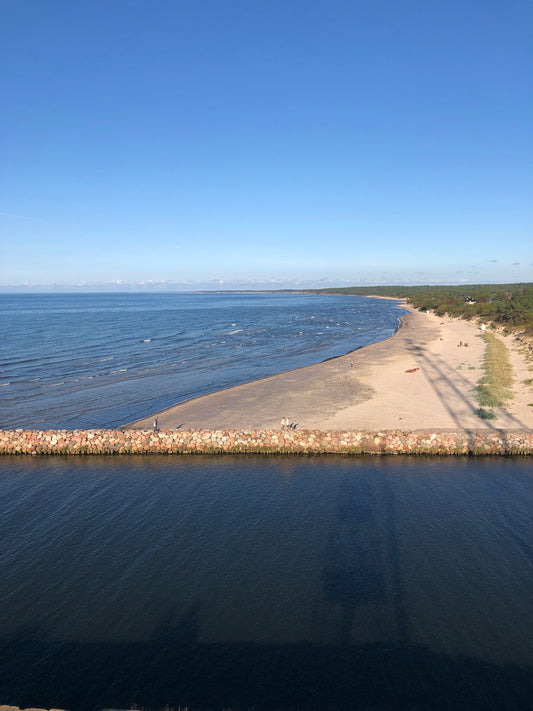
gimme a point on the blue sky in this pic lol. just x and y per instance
(182, 144)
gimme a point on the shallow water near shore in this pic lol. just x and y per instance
(102, 360)
(272, 583)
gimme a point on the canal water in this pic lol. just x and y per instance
(266, 582)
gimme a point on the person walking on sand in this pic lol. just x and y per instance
(282, 423)
(156, 424)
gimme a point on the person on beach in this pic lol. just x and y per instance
(156, 424)
(282, 423)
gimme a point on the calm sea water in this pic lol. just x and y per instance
(266, 583)
(102, 360)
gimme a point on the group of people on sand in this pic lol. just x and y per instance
(285, 423)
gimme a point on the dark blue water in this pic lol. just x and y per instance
(266, 583)
(101, 360)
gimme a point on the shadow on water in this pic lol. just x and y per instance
(361, 581)
(363, 558)
(365, 653)
(175, 668)
(353, 575)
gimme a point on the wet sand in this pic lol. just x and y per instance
(419, 378)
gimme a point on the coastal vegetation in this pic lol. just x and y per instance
(507, 305)
(494, 388)
(484, 414)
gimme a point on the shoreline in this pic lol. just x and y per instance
(422, 377)
(410, 394)
(234, 390)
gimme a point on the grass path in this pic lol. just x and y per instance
(494, 389)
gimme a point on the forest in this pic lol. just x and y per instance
(509, 305)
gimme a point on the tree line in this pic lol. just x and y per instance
(510, 305)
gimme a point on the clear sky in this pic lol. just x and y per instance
(193, 143)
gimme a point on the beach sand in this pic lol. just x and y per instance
(419, 379)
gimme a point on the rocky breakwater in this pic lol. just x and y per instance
(101, 441)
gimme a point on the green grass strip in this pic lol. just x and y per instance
(494, 388)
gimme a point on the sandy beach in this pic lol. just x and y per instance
(422, 377)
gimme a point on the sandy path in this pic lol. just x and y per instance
(375, 393)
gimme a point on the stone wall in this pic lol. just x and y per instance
(263, 442)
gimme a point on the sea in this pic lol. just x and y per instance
(212, 583)
(103, 360)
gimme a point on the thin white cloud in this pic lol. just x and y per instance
(22, 217)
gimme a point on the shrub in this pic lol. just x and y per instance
(484, 414)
